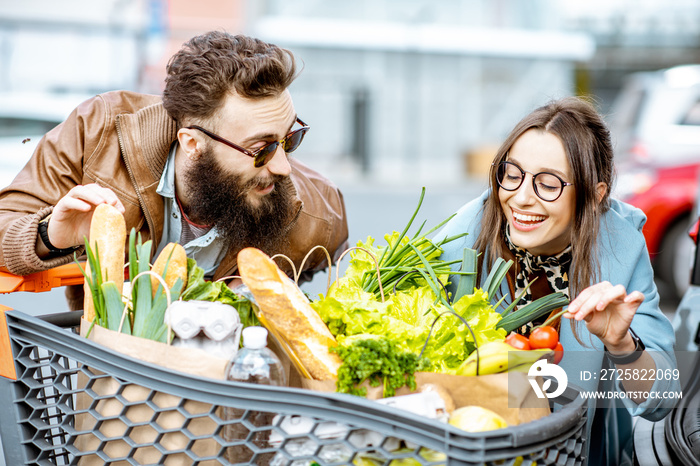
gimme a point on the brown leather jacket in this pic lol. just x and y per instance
(121, 140)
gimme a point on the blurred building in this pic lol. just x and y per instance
(420, 90)
(631, 36)
(393, 89)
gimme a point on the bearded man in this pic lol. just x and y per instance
(205, 165)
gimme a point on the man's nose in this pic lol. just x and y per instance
(279, 165)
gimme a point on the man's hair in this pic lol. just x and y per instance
(211, 65)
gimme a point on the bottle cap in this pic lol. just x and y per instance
(255, 337)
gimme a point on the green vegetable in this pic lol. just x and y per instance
(146, 315)
(400, 256)
(533, 311)
(512, 319)
(496, 276)
(105, 294)
(202, 290)
(413, 275)
(467, 282)
(406, 317)
(148, 310)
(114, 307)
(377, 360)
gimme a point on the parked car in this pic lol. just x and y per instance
(655, 124)
(24, 119)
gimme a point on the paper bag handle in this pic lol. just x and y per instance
(432, 326)
(167, 295)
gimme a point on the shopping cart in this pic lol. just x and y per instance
(52, 379)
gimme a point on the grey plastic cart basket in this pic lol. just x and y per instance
(38, 421)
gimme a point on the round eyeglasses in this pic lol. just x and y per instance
(289, 143)
(547, 186)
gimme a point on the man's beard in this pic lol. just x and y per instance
(220, 199)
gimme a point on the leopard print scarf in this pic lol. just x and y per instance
(556, 270)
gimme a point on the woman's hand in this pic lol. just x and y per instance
(608, 311)
(71, 217)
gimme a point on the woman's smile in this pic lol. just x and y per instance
(527, 222)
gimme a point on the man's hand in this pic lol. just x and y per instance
(71, 217)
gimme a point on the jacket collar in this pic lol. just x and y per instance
(145, 138)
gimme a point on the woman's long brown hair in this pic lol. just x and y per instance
(586, 141)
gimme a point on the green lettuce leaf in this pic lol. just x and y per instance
(405, 318)
(200, 289)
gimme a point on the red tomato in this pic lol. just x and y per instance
(558, 353)
(544, 337)
(518, 342)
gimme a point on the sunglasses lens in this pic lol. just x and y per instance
(266, 154)
(291, 143)
(293, 140)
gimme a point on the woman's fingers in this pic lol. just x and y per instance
(587, 306)
(587, 300)
(609, 295)
(636, 297)
(576, 304)
(598, 298)
(612, 304)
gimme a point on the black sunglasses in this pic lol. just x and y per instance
(547, 186)
(263, 155)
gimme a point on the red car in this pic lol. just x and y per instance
(666, 195)
(655, 124)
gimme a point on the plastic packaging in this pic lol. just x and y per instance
(255, 363)
(427, 404)
(214, 327)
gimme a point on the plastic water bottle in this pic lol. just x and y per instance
(254, 363)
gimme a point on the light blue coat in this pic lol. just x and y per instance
(623, 260)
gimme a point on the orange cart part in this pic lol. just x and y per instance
(7, 360)
(64, 275)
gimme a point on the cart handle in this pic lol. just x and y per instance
(37, 282)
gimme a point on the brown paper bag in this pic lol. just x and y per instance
(508, 394)
(108, 403)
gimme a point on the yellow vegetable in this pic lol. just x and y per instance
(476, 419)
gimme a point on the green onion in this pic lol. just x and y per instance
(467, 282)
(408, 254)
(533, 311)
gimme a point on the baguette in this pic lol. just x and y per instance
(284, 306)
(177, 267)
(108, 233)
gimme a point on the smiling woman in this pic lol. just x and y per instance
(549, 210)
